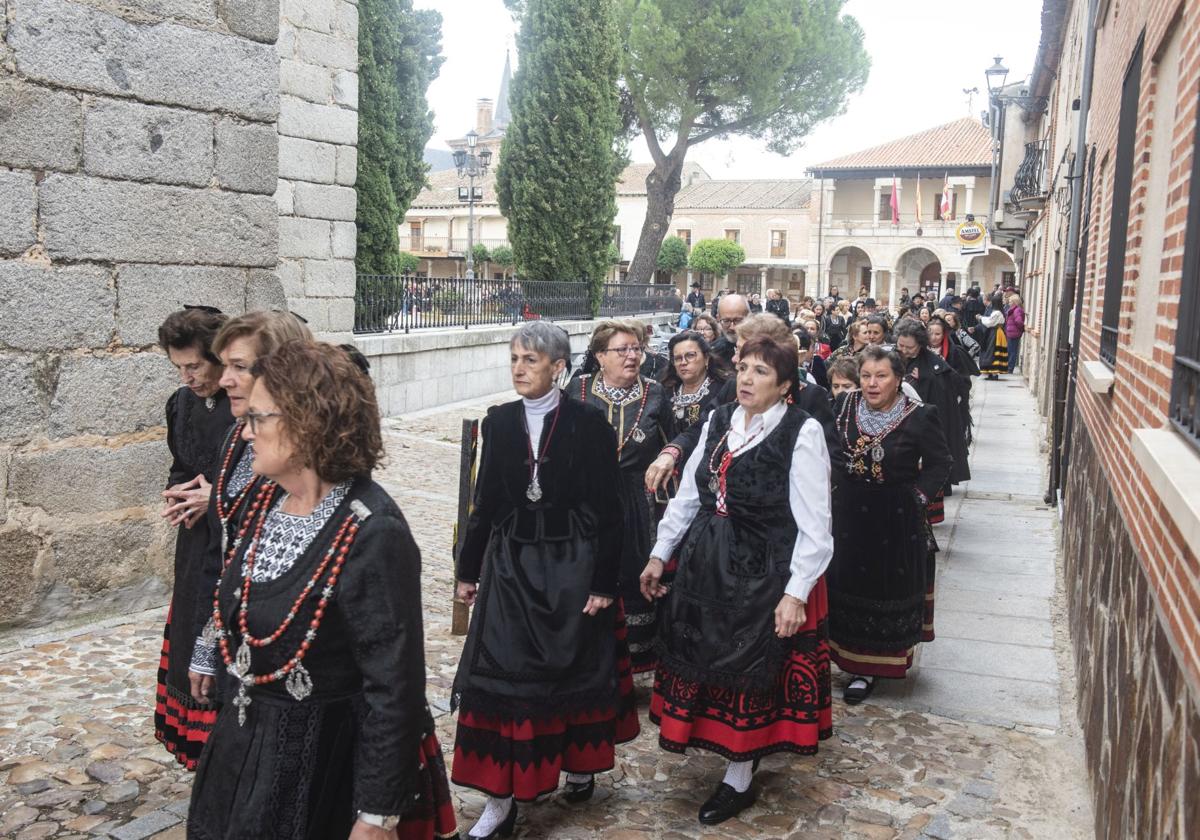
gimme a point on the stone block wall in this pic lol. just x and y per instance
(145, 146)
(318, 159)
(1141, 719)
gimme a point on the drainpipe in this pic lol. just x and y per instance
(1071, 296)
(820, 231)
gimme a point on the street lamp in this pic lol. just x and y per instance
(471, 165)
(996, 74)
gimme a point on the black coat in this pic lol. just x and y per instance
(780, 307)
(939, 385)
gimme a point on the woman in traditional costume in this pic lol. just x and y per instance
(937, 383)
(882, 575)
(744, 669)
(544, 685)
(241, 342)
(693, 383)
(325, 732)
(993, 341)
(637, 409)
(197, 417)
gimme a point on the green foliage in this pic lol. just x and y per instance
(768, 69)
(502, 255)
(480, 253)
(558, 166)
(399, 55)
(716, 256)
(673, 255)
(407, 263)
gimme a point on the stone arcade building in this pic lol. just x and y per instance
(152, 153)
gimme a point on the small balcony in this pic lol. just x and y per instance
(1030, 190)
(444, 246)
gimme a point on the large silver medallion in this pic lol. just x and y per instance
(877, 453)
(241, 662)
(299, 684)
(638, 435)
(534, 491)
(679, 411)
(714, 484)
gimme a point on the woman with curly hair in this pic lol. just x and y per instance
(325, 732)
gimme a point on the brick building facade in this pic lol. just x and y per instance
(1114, 363)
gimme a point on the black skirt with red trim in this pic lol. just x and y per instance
(432, 817)
(794, 716)
(523, 756)
(892, 663)
(936, 509)
(180, 723)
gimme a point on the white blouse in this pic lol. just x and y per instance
(808, 495)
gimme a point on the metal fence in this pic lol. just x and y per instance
(393, 303)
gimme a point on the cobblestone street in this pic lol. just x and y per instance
(78, 757)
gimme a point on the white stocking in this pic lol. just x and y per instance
(579, 778)
(738, 775)
(494, 813)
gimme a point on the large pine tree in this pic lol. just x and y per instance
(399, 55)
(556, 179)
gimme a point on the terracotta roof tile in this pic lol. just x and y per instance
(745, 195)
(962, 143)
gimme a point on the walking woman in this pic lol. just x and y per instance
(197, 417)
(544, 684)
(993, 340)
(854, 342)
(693, 383)
(882, 575)
(239, 344)
(637, 409)
(745, 662)
(318, 619)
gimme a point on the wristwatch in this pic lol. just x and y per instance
(379, 821)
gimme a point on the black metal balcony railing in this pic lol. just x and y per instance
(1029, 185)
(391, 303)
(1185, 398)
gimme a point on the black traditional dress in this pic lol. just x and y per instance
(194, 429)
(937, 383)
(347, 729)
(881, 580)
(752, 523)
(639, 416)
(542, 688)
(993, 342)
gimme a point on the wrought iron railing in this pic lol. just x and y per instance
(1185, 398)
(393, 303)
(1030, 180)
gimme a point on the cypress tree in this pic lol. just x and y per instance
(399, 55)
(556, 180)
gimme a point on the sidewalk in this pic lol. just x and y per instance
(994, 659)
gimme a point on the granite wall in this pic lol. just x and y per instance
(148, 159)
(1140, 718)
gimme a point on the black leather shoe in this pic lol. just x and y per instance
(505, 829)
(725, 803)
(577, 792)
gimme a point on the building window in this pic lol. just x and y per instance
(885, 206)
(685, 235)
(733, 235)
(1114, 274)
(779, 243)
(414, 236)
(1185, 375)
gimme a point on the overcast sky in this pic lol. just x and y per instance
(923, 53)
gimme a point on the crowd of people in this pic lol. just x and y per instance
(697, 516)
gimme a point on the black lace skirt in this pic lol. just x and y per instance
(882, 567)
(638, 536)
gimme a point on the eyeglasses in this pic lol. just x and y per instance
(732, 322)
(687, 357)
(630, 350)
(252, 417)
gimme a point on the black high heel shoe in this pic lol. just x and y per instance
(579, 792)
(505, 829)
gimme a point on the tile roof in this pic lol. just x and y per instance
(768, 194)
(962, 143)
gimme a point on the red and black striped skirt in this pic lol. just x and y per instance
(795, 715)
(180, 723)
(524, 757)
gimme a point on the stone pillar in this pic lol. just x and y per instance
(875, 206)
(872, 290)
(893, 301)
(762, 276)
(941, 285)
(970, 199)
(138, 160)
(318, 160)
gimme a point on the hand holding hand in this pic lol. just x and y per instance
(789, 616)
(651, 580)
(465, 592)
(187, 502)
(595, 603)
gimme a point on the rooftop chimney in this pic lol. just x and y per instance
(483, 117)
